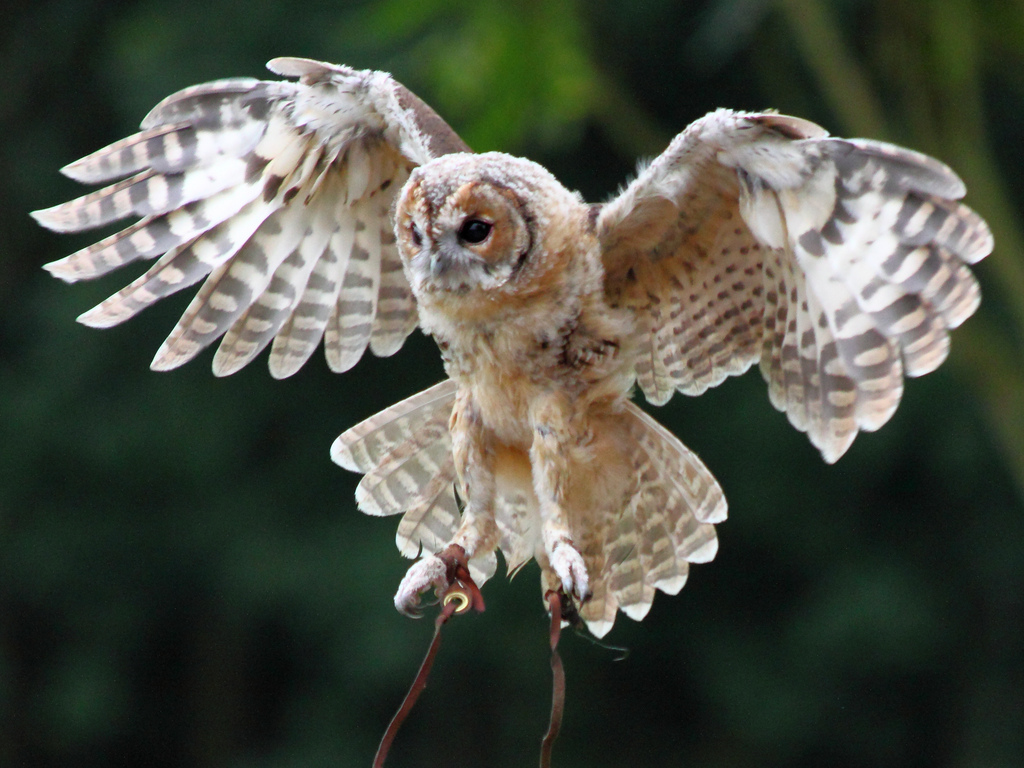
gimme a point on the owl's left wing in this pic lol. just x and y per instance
(838, 265)
(279, 194)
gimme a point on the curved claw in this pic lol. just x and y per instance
(415, 610)
(411, 613)
(568, 565)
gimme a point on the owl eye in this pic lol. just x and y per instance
(417, 237)
(474, 231)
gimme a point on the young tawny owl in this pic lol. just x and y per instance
(341, 207)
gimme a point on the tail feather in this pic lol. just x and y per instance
(673, 461)
(429, 526)
(630, 579)
(667, 524)
(368, 443)
(405, 454)
(409, 475)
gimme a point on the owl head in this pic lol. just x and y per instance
(477, 225)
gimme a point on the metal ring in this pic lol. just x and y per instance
(459, 595)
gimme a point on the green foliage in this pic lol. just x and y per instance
(185, 580)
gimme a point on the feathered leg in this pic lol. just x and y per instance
(477, 535)
(555, 443)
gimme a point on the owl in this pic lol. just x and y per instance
(336, 205)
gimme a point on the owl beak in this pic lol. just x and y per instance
(446, 258)
(439, 264)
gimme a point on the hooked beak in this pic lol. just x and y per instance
(445, 259)
(439, 264)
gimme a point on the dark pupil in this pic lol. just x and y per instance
(417, 238)
(474, 231)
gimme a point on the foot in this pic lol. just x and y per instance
(439, 571)
(431, 571)
(568, 565)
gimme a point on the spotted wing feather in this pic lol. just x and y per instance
(837, 265)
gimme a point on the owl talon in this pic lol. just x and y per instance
(568, 565)
(439, 571)
(431, 571)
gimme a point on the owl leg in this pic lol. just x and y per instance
(478, 531)
(554, 439)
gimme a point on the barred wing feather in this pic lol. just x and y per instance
(405, 455)
(279, 196)
(836, 265)
(667, 524)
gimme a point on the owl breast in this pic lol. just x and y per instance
(525, 316)
(578, 348)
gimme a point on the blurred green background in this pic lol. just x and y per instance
(185, 580)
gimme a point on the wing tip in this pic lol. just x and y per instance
(599, 627)
(100, 317)
(284, 366)
(407, 547)
(306, 69)
(168, 358)
(366, 503)
(718, 514)
(343, 361)
(706, 552)
(54, 219)
(673, 585)
(983, 245)
(62, 269)
(342, 456)
(636, 611)
(77, 171)
(656, 395)
(831, 454)
(222, 369)
(833, 447)
(387, 346)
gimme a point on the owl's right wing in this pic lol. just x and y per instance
(280, 195)
(837, 264)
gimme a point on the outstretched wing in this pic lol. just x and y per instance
(280, 195)
(838, 265)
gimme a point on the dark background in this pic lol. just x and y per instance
(185, 579)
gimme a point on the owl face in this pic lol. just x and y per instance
(463, 224)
